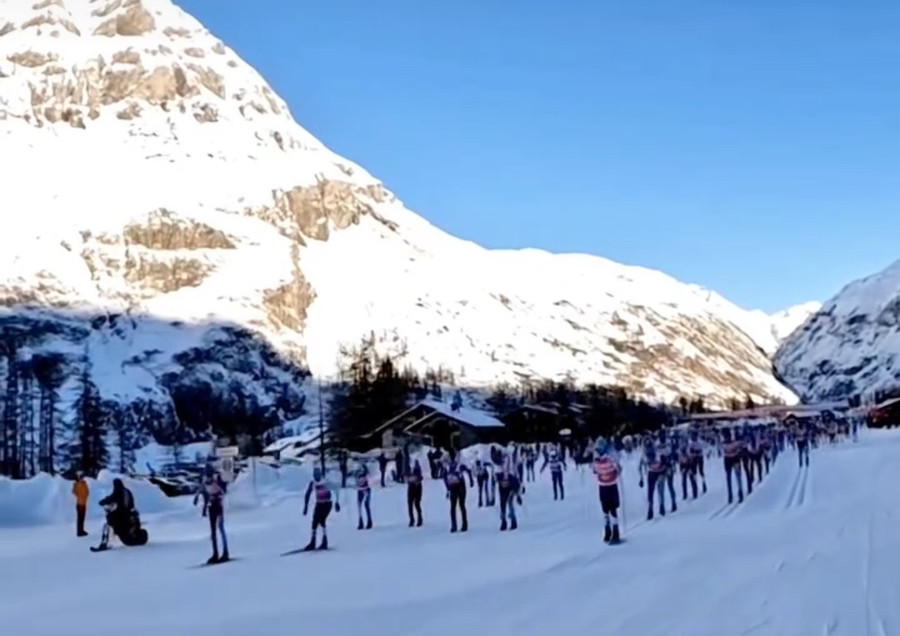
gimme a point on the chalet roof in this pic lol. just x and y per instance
(465, 415)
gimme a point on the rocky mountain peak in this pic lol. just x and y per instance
(157, 182)
(145, 63)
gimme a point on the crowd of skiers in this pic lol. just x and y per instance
(747, 451)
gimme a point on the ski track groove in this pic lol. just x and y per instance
(867, 575)
(793, 493)
(801, 495)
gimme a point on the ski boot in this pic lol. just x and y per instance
(513, 525)
(614, 539)
(650, 514)
(503, 525)
(419, 523)
(369, 524)
(464, 527)
(310, 546)
(324, 544)
(224, 557)
(360, 525)
(411, 523)
(213, 559)
(607, 534)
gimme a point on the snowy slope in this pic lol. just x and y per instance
(204, 208)
(808, 553)
(850, 346)
(770, 330)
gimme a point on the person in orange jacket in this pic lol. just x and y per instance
(81, 491)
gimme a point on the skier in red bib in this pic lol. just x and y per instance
(607, 468)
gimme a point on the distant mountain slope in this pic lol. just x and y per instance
(851, 345)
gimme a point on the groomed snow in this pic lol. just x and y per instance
(807, 554)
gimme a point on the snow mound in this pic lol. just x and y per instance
(47, 500)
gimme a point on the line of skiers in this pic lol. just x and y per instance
(748, 450)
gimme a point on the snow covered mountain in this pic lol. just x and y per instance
(166, 217)
(851, 345)
(770, 330)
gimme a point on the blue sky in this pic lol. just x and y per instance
(752, 147)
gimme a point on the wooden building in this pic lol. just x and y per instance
(438, 424)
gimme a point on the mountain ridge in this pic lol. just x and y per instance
(198, 198)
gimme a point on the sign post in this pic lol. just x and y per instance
(226, 456)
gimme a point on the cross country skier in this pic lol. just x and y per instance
(327, 494)
(756, 453)
(668, 454)
(214, 488)
(453, 474)
(363, 496)
(732, 450)
(801, 437)
(557, 464)
(695, 449)
(482, 478)
(530, 461)
(608, 469)
(747, 454)
(414, 494)
(655, 469)
(510, 489)
(688, 471)
(765, 452)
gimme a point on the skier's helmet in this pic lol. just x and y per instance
(601, 445)
(317, 473)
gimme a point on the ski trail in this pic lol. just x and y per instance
(867, 574)
(730, 510)
(793, 493)
(718, 512)
(801, 493)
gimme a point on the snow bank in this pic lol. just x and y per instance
(265, 485)
(46, 499)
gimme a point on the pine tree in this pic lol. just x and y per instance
(91, 452)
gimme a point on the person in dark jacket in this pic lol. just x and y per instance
(414, 494)
(119, 505)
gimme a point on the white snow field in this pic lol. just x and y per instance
(812, 552)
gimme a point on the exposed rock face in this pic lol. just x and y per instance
(850, 347)
(154, 175)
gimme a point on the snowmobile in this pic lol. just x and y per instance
(126, 526)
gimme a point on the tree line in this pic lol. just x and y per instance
(55, 419)
(374, 387)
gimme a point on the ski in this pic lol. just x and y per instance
(303, 550)
(99, 548)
